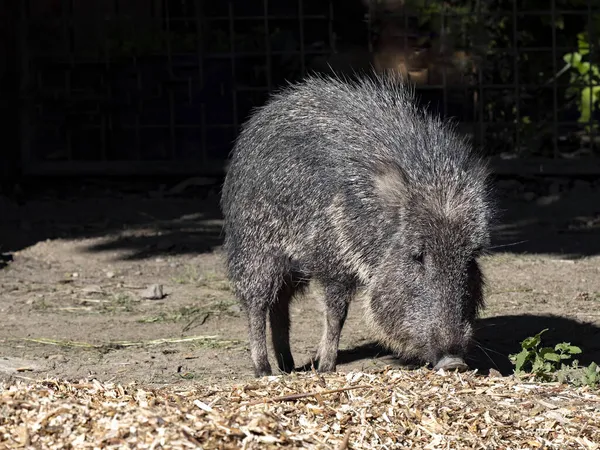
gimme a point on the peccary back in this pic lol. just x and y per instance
(350, 184)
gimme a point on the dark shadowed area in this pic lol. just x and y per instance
(496, 338)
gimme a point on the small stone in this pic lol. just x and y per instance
(92, 289)
(153, 292)
(493, 373)
(58, 358)
(110, 274)
(235, 309)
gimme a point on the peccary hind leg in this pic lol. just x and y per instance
(337, 300)
(271, 292)
(257, 287)
(279, 316)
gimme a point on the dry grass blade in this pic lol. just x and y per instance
(121, 344)
(391, 409)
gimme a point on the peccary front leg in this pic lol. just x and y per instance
(257, 318)
(337, 299)
(257, 286)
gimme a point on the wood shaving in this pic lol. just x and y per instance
(388, 409)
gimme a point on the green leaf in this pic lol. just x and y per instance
(530, 342)
(538, 365)
(573, 79)
(533, 341)
(548, 354)
(573, 349)
(520, 359)
(572, 58)
(549, 367)
(575, 363)
(582, 43)
(567, 348)
(551, 356)
(587, 101)
(590, 375)
(583, 67)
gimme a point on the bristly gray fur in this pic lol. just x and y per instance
(351, 184)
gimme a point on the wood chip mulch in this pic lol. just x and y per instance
(390, 409)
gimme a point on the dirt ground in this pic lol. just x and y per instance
(83, 265)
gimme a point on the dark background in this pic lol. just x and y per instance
(142, 87)
(141, 95)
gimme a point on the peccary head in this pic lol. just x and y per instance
(428, 289)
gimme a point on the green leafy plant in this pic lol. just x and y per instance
(579, 376)
(590, 375)
(548, 363)
(542, 362)
(585, 76)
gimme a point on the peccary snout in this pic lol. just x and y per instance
(451, 362)
(449, 347)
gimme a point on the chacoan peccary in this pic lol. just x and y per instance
(349, 183)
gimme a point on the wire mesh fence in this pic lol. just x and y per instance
(162, 86)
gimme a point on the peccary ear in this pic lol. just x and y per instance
(391, 185)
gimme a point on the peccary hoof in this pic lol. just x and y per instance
(451, 363)
(262, 371)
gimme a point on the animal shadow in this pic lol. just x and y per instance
(495, 339)
(498, 337)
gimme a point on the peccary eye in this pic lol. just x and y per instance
(418, 257)
(476, 254)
